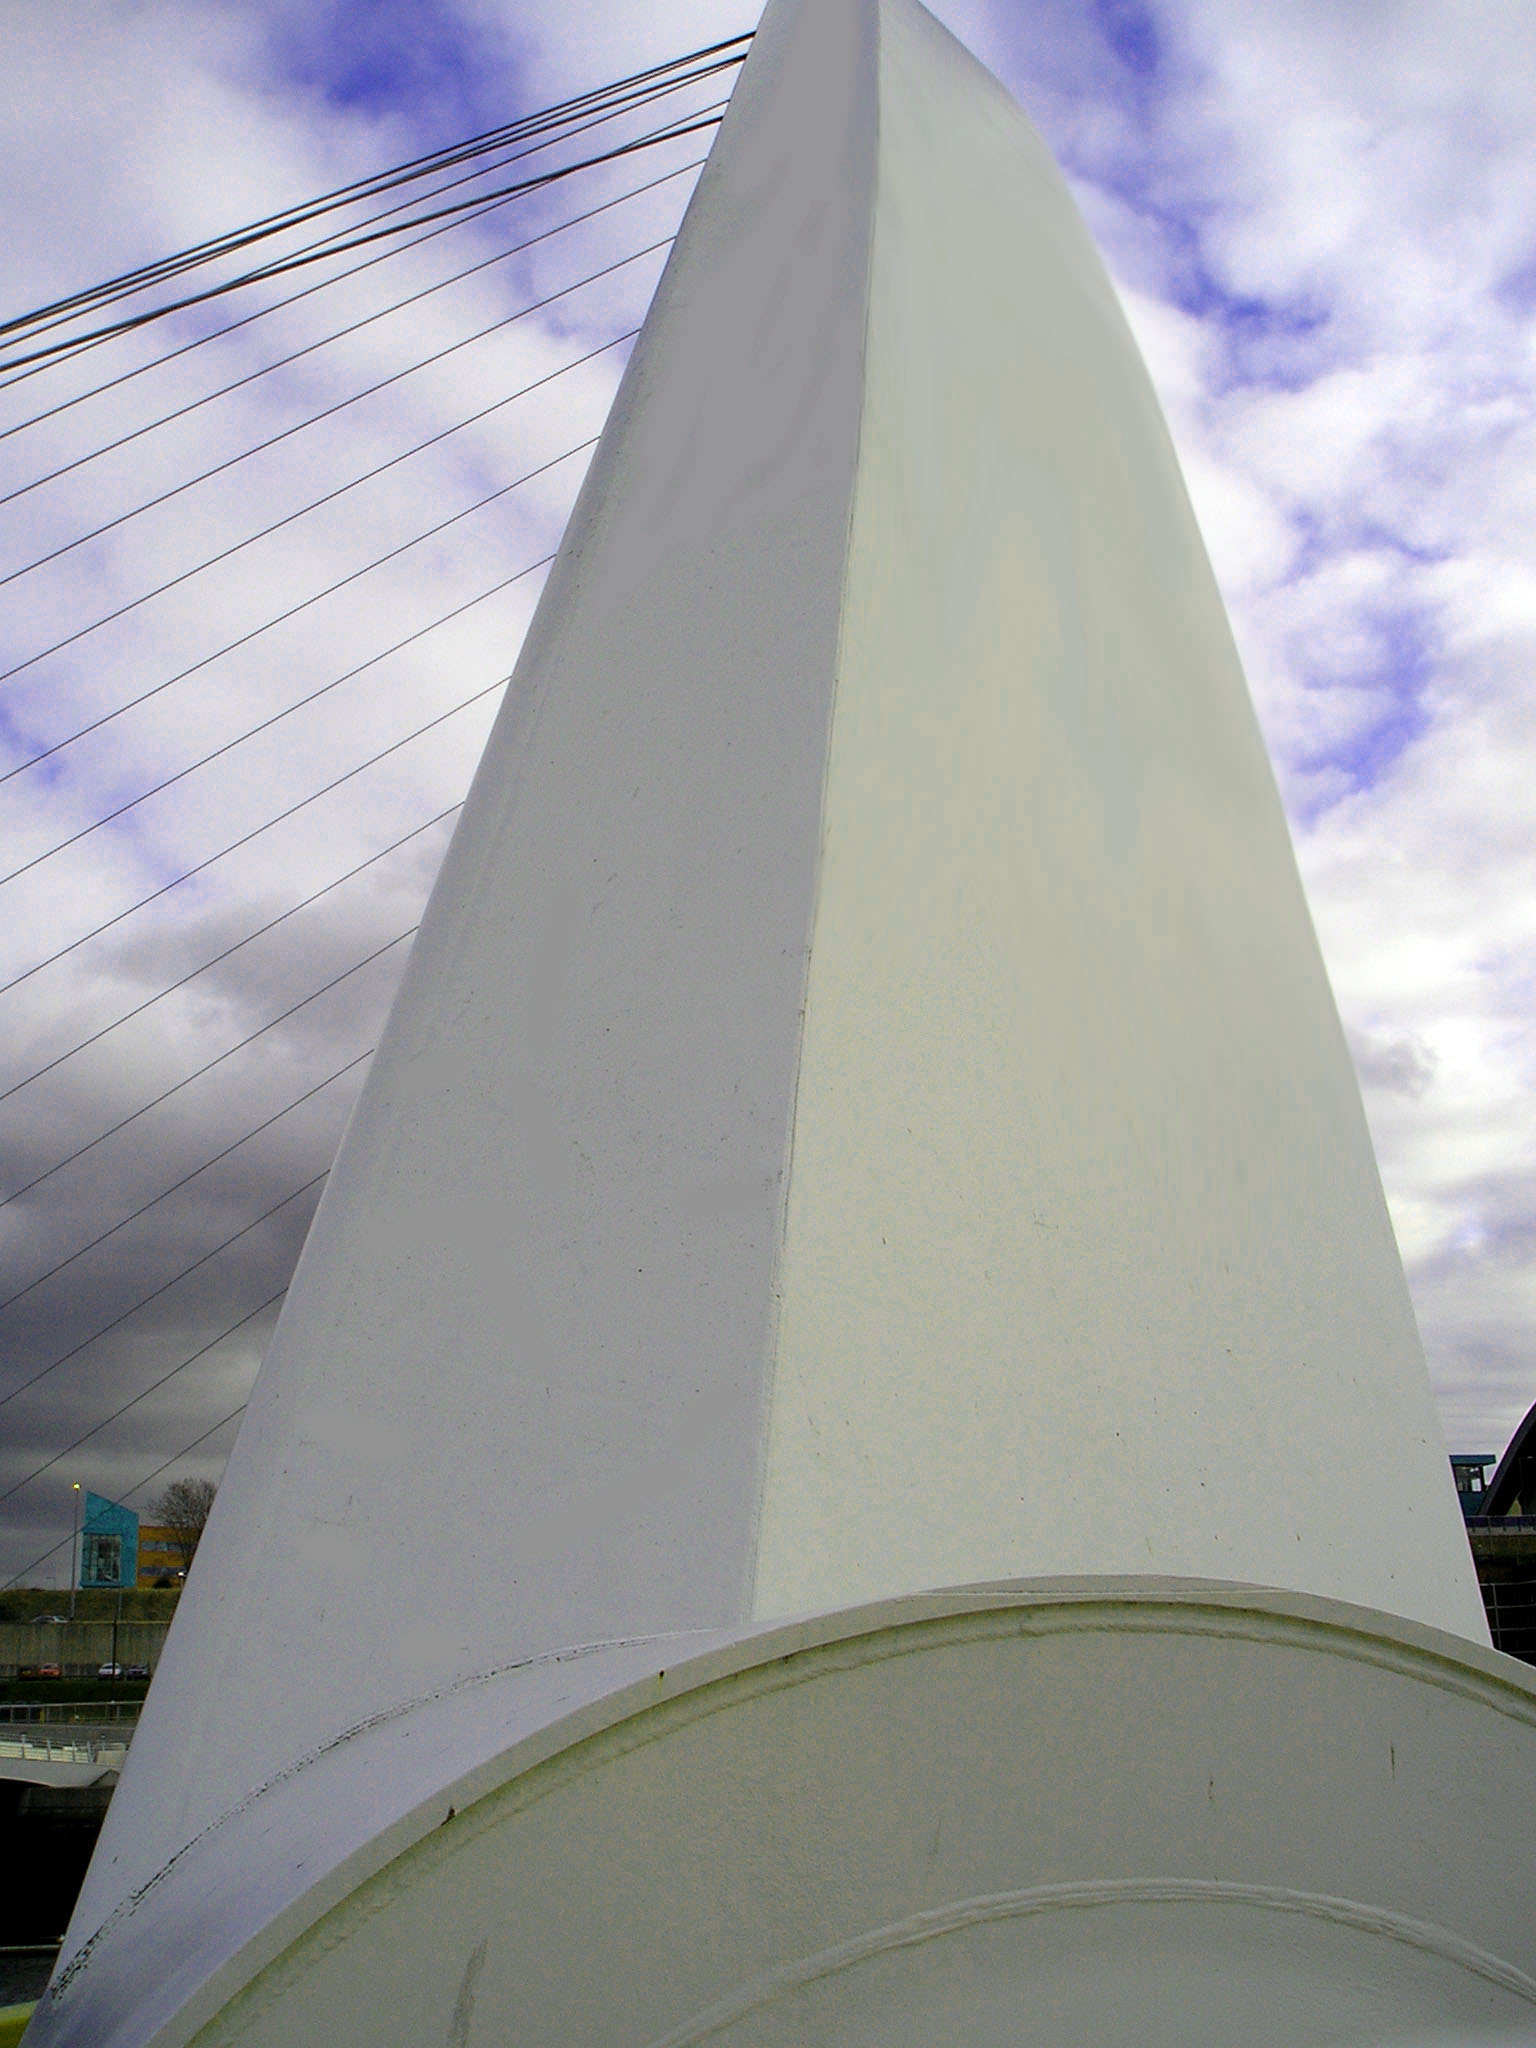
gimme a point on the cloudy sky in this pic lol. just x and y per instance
(1320, 214)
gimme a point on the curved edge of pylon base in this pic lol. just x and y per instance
(1078, 1811)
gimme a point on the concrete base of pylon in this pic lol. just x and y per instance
(1061, 1812)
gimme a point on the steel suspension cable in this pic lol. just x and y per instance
(208, 1066)
(145, 1393)
(83, 1044)
(341, 333)
(164, 1288)
(327, 412)
(330, 244)
(281, 619)
(153, 1388)
(323, 243)
(246, 838)
(273, 306)
(330, 589)
(175, 1186)
(300, 703)
(473, 209)
(638, 87)
(286, 265)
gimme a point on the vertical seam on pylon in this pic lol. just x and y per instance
(775, 1298)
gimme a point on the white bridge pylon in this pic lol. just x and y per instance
(865, 1119)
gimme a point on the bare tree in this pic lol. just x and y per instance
(183, 1509)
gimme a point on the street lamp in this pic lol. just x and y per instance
(74, 1550)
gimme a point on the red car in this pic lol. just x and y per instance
(41, 1671)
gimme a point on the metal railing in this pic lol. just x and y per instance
(111, 1713)
(1510, 1605)
(82, 1748)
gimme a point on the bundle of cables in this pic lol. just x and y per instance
(192, 994)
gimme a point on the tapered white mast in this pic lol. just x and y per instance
(865, 1113)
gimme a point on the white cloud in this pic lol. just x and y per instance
(1338, 201)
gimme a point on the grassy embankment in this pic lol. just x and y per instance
(26, 1603)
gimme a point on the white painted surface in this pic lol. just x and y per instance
(1075, 1814)
(515, 1397)
(1087, 1265)
(1082, 1266)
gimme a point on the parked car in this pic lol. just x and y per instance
(41, 1671)
(137, 1671)
(110, 1671)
